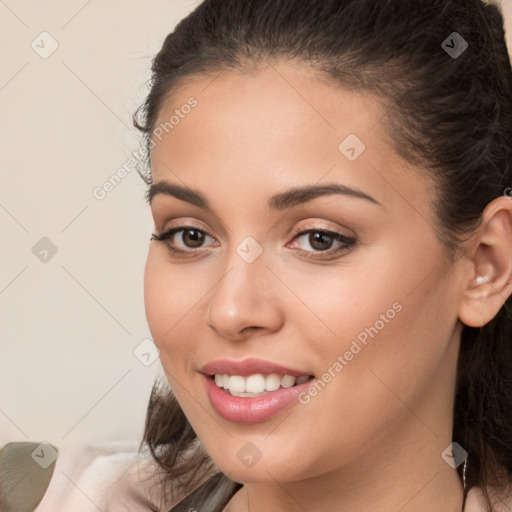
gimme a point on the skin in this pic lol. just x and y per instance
(372, 439)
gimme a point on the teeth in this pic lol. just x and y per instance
(272, 382)
(237, 384)
(302, 379)
(257, 384)
(288, 381)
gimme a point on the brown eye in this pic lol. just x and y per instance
(320, 241)
(191, 238)
(195, 236)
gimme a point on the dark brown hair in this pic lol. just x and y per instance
(451, 114)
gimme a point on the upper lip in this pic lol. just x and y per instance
(249, 367)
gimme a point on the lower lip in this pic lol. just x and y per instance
(252, 409)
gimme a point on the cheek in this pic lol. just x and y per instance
(393, 350)
(383, 320)
(169, 297)
(359, 300)
(156, 301)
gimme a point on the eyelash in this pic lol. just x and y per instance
(347, 242)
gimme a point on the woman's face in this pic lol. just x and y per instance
(352, 289)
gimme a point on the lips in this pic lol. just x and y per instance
(251, 409)
(249, 367)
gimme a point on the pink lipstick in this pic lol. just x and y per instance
(252, 390)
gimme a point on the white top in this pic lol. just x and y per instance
(108, 476)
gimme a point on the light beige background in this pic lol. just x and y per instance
(69, 326)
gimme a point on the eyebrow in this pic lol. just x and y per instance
(281, 201)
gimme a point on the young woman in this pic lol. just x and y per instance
(329, 281)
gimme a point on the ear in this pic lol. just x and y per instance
(489, 280)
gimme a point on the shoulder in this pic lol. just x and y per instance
(104, 475)
(110, 476)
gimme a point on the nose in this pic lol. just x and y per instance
(244, 301)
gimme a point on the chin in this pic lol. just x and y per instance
(247, 465)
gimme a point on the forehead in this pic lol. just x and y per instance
(284, 122)
(276, 107)
(282, 88)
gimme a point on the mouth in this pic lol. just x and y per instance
(252, 390)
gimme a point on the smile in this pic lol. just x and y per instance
(252, 390)
(257, 384)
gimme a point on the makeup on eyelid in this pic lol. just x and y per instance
(323, 215)
(347, 243)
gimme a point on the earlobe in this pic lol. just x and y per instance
(489, 283)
